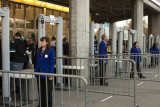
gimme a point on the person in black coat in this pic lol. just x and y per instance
(17, 51)
(32, 49)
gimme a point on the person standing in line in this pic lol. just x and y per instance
(45, 61)
(95, 45)
(17, 57)
(136, 56)
(154, 58)
(102, 63)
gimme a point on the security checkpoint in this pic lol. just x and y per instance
(59, 47)
(78, 82)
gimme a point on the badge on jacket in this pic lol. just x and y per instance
(46, 56)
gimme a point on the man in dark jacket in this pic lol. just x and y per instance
(102, 63)
(17, 56)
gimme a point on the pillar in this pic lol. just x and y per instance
(111, 30)
(153, 24)
(101, 32)
(92, 26)
(138, 20)
(79, 32)
(79, 28)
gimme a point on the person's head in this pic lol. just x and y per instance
(31, 40)
(95, 38)
(17, 35)
(45, 42)
(64, 40)
(154, 45)
(136, 44)
(53, 38)
(32, 35)
(53, 41)
(104, 37)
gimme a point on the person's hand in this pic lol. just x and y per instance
(105, 62)
(50, 78)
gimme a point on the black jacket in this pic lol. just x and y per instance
(33, 49)
(17, 51)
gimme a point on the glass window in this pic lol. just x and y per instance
(11, 34)
(64, 25)
(19, 16)
(56, 13)
(48, 26)
(49, 12)
(63, 14)
(38, 11)
(30, 17)
(11, 10)
(54, 28)
(11, 22)
(0, 3)
(28, 35)
(49, 35)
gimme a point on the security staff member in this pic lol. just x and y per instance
(136, 56)
(103, 54)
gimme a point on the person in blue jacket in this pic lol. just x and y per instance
(103, 54)
(154, 58)
(45, 61)
(136, 56)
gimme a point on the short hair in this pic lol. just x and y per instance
(102, 37)
(53, 38)
(134, 44)
(64, 40)
(18, 34)
(32, 35)
(95, 37)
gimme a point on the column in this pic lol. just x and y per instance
(79, 33)
(111, 30)
(138, 21)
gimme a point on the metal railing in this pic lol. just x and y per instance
(30, 90)
(104, 75)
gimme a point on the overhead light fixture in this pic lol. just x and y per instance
(156, 2)
(43, 4)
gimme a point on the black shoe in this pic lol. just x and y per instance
(104, 84)
(17, 92)
(142, 77)
(131, 77)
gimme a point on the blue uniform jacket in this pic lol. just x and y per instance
(154, 50)
(102, 50)
(137, 52)
(45, 63)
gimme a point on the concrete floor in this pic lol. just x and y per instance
(148, 93)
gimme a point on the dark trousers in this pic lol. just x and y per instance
(42, 91)
(154, 61)
(138, 67)
(15, 67)
(102, 67)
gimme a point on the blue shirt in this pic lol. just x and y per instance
(45, 63)
(137, 52)
(102, 50)
(154, 50)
